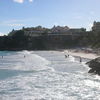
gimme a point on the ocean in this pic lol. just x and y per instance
(45, 75)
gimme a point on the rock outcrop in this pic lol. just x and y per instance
(94, 66)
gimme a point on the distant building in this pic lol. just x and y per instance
(77, 30)
(41, 31)
(96, 26)
(33, 33)
(59, 29)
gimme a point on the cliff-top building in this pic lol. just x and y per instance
(59, 29)
(96, 26)
(56, 30)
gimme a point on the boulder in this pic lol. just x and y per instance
(94, 66)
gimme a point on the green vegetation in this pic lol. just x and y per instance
(93, 39)
(38, 38)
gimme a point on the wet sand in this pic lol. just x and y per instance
(81, 53)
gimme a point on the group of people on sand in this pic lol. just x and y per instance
(80, 59)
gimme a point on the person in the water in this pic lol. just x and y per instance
(66, 56)
(80, 59)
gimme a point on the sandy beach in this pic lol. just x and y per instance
(81, 53)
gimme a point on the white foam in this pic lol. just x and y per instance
(92, 83)
(29, 62)
(69, 83)
(71, 58)
(32, 62)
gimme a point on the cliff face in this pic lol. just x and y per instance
(55, 38)
(45, 42)
(40, 38)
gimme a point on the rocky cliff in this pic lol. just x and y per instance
(94, 66)
(49, 42)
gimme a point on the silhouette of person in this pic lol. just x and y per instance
(80, 59)
(65, 56)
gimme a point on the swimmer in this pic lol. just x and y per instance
(80, 59)
(65, 56)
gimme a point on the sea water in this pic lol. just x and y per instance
(45, 75)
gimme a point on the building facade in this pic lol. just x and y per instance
(96, 26)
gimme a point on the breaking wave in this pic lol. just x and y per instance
(45, 75)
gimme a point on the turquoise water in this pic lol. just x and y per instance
(45, 75)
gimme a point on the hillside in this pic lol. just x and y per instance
(40, 38)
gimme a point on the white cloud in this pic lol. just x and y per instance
(11, 24)
(2, 34)
(15, 24)
(16, 20)
(22, 1)
(19, 1)
(30, 0)
(89, 26)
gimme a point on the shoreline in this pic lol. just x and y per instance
(81, 53)
(78, 52)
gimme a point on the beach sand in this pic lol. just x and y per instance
(81, 53)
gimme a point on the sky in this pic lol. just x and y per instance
(14, 14)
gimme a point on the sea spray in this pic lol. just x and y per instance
(31, 77)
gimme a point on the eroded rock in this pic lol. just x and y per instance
(94, 66)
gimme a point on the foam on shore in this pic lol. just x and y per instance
(81, 54)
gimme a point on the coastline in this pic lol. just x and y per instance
(81, 53)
